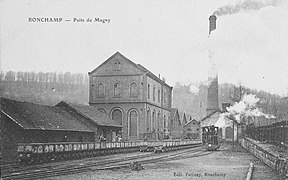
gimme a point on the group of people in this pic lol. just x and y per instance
(117, 138)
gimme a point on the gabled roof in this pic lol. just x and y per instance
(138, 66)
(122, 56)
(175, 112)
(210, 114)
(91, 113)
(193, 120)
(41, 117)
(183, 117)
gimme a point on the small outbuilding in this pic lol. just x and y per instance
(24, 122)
(101, 123)
(192, 129)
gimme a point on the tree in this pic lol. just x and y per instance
(10, 76)
(20, 76)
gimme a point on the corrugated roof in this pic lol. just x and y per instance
(92, 113)
(41, 117)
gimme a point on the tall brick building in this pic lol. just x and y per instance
(133, 96)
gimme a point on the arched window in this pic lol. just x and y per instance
(165, 122)
(148, 122)
(133, 89)
(117, 66)
(116, 90)
(101, 90)
(148, 91)
(158, 96)
(117, 115)
(158, 120)
(153, 93)
(133, 117)
(153, 121)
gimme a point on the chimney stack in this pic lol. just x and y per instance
(212, 94)
(212, 23)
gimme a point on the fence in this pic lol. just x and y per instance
(277, 163)
(276, 133)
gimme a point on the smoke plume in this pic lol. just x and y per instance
(246, 5)
(247, 107)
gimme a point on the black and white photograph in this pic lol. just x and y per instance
(144, 89)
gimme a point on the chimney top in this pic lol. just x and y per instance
(212, 18)
(212, 24)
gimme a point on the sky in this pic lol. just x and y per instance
(168, 37)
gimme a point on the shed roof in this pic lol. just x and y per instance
(91, 113)
(41, 117)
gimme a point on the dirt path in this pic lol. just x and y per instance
(227, 163)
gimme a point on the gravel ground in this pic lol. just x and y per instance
(227, 163)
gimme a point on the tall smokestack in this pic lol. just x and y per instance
(212, 23)
(212, 94)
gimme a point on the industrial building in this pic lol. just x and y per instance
(133, 96)
(24, 122)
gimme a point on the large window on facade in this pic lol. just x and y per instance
(158, 120)
(117, 115)
(116, 90)
(153, 93)
(148, 91)
(101, 89)
(153, 121)
(165, 122)
(158, 96)
(133, 89)
(133, 116)
(148, 122)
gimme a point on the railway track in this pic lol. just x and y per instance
(24, 168)
(92, 165)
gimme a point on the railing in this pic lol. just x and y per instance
(277, 163)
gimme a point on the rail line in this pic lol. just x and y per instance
(23, 168)
(61, 170)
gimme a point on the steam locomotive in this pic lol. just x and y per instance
(210, 139)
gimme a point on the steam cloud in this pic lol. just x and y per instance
(245, 108)
(247, 5)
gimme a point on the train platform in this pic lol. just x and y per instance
(229, 163)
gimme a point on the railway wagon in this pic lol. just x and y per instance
(210, 138)
(45, 152)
